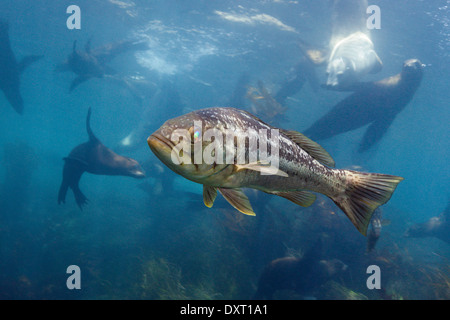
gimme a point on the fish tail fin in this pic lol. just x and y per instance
(365, 192)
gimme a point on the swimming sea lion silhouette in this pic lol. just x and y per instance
(374, 103)
(350, 54)
(93, 63)
(350, 59)
(438, 227)
(302, 275)
(10, 69)
(95, 158)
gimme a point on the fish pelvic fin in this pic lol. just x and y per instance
(238, 200)
(209, 195)
(365, 192)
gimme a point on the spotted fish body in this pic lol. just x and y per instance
(303, 166)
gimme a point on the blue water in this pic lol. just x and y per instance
(154, 238)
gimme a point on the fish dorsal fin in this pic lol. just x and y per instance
(209, 195)
(311, 147)
(264, 167)
(301, 198)
(238, 200)
(92, 137)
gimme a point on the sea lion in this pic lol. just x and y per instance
(95, 158)
(376, 224)
(438, 227)
(169, 101)
(93, 63)
(302, 275)
(374, 103)
(10, 69)
(303, 72)
(350, 54)
(351, 58)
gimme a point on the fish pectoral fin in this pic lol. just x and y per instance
(311, 147)
(238, 200)
(301, 198)
(209, 195)
(262, 166)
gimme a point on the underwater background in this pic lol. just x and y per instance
(154, 238)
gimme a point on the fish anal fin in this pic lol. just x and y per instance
(238, 200)
(311, 147)
(301, 198)
(209, 195)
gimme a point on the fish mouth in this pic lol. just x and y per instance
(160, 145)
(156, 139)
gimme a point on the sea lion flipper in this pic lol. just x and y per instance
(28, 60)
(77, 81)
(72, 173)
(374, 133)
(15, 99)
(92, 137)
(378, 65)
(4, 25)
(87, 46)
(80, 198)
